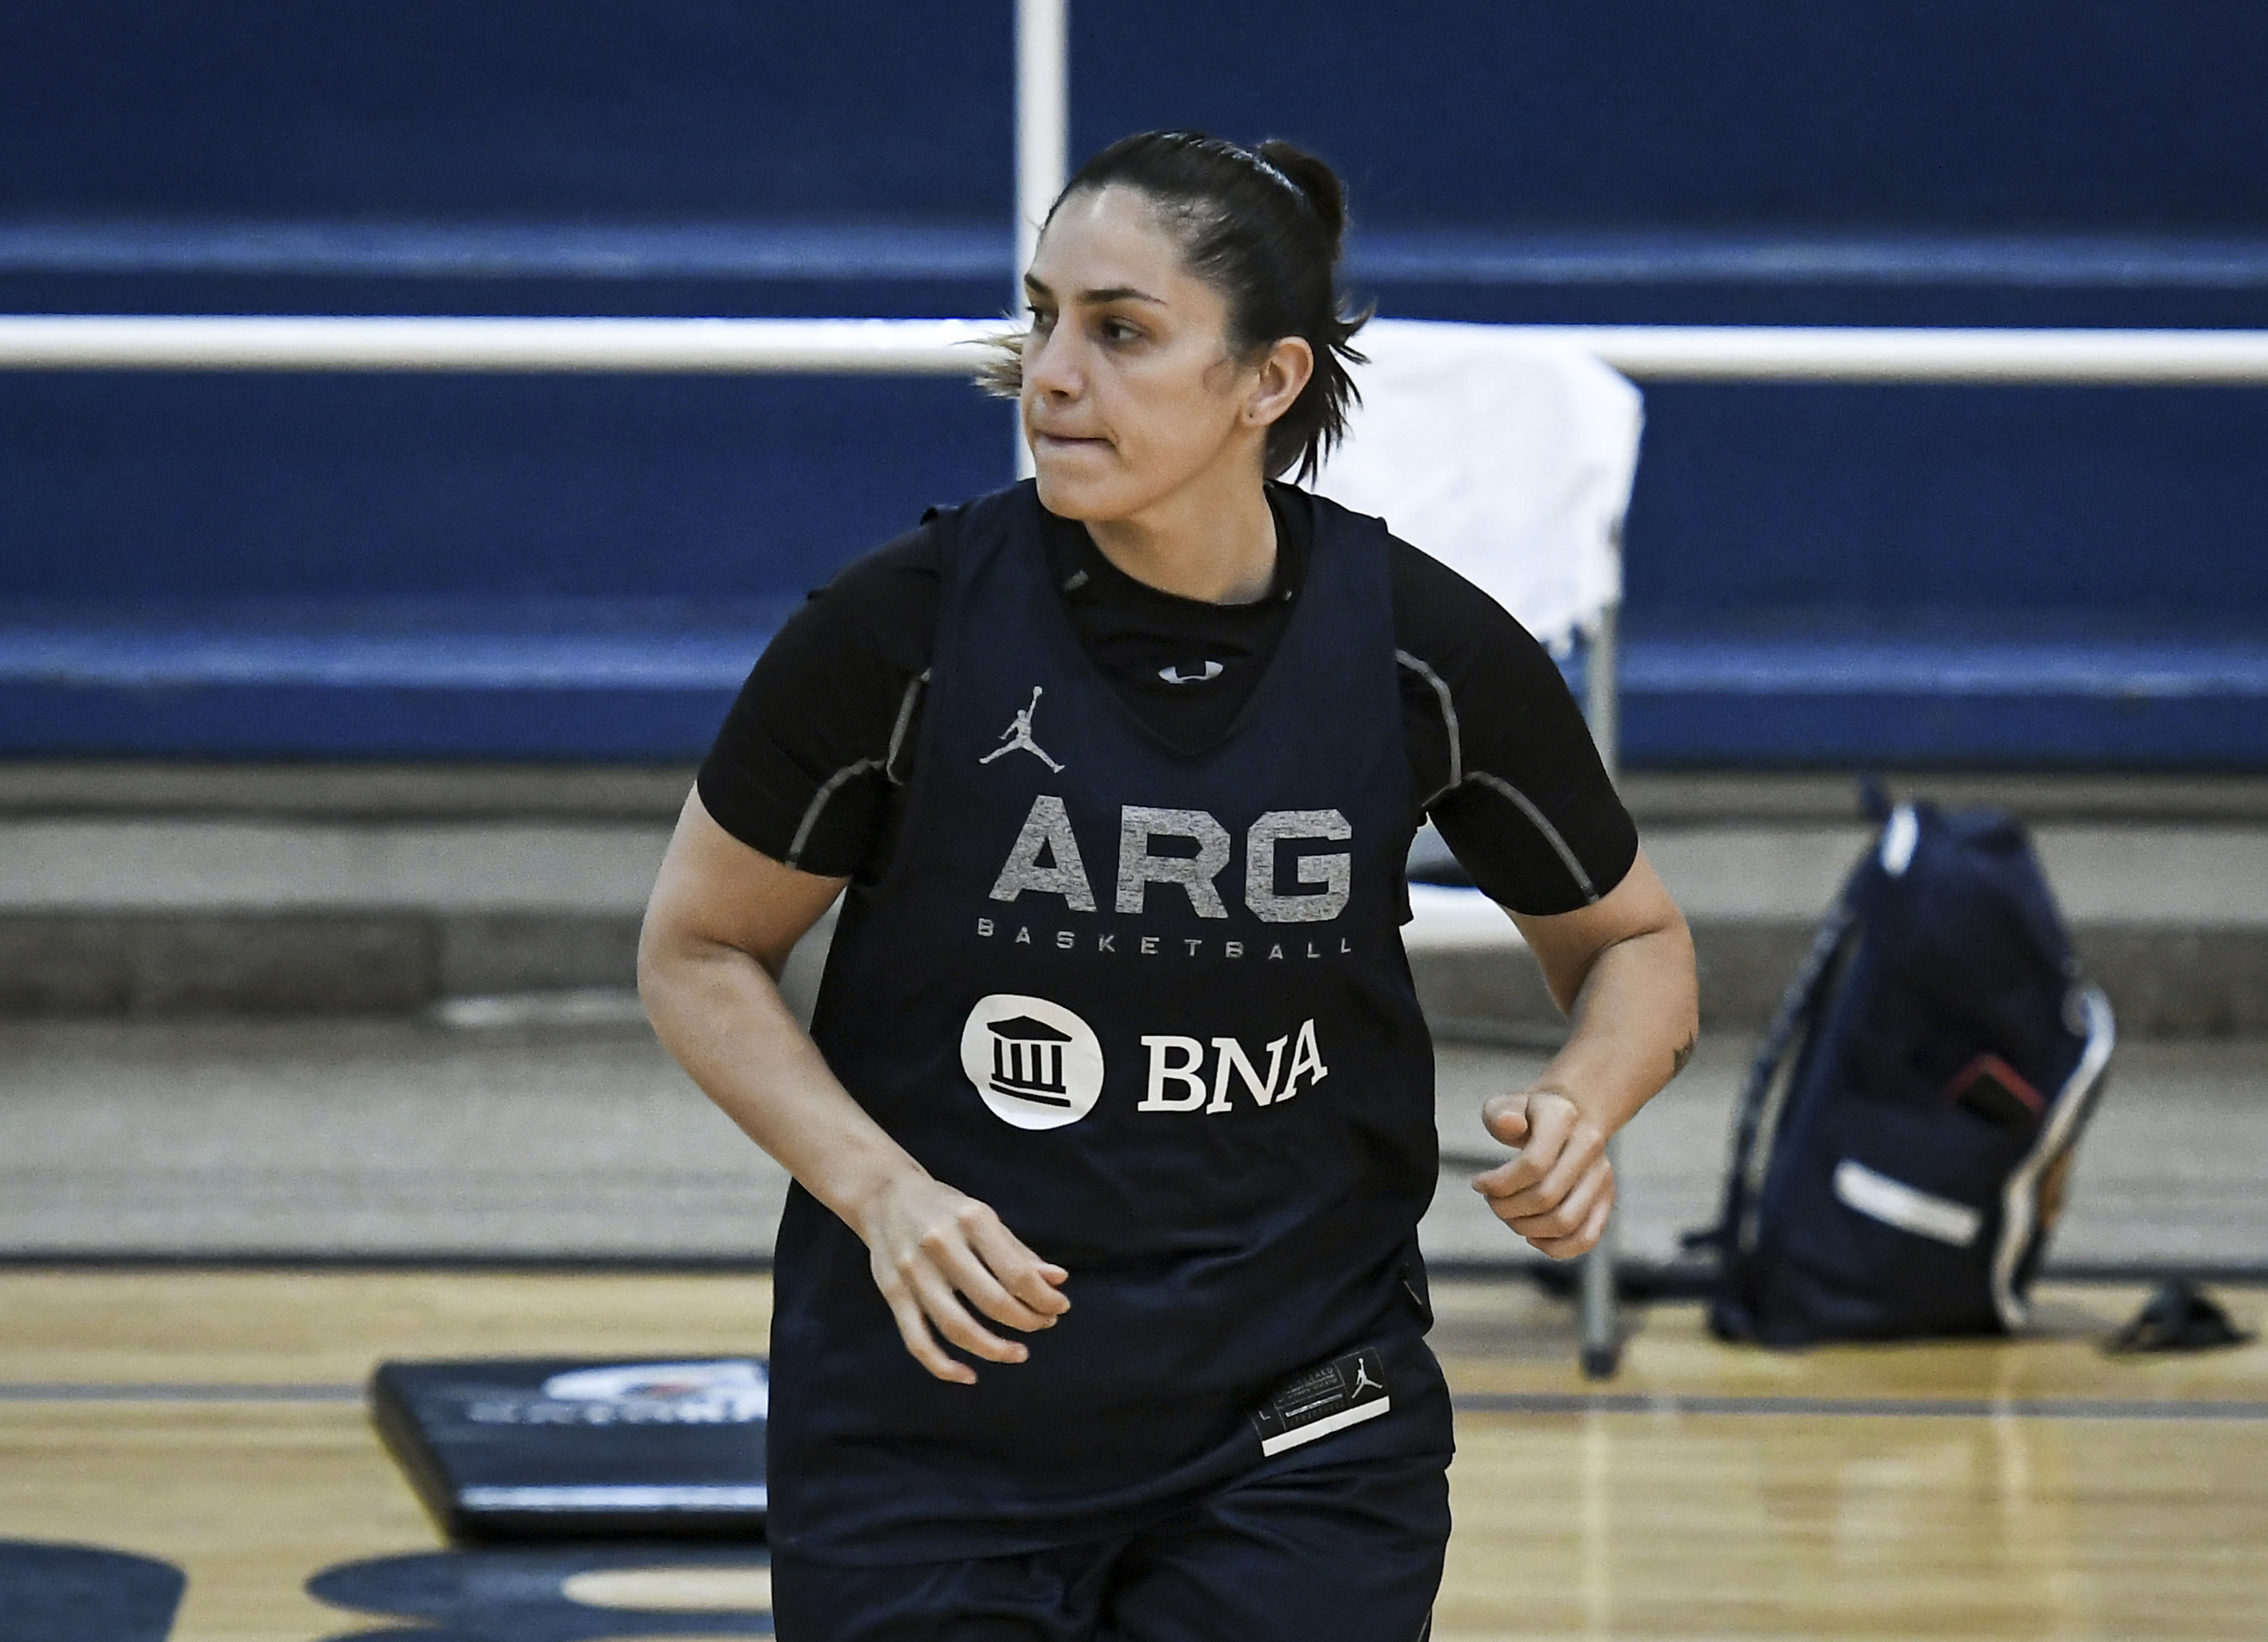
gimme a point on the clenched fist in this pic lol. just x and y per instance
(1558, 1191)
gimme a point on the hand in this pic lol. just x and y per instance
(931, 1246)
(1558, 1191)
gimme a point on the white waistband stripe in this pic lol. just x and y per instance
(1339, 1421)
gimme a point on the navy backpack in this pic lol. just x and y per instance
(1900, 1146)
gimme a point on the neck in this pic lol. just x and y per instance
(1212, 541)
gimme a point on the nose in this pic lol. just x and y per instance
(1051, 363)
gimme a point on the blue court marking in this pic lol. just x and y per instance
(173, 1391)
(1862, 1408)
(519, 1595)
(68, 1592)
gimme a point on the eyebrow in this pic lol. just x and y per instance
(1110, 294)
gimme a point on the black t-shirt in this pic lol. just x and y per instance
(812, 763)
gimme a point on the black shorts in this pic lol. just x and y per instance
(1351, 1552)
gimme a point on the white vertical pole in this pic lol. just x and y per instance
(1602, 703)
(1043, 140)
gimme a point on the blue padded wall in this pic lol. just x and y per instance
(304, 487)
(1997, 116)
(1816, 574)
(652, 110)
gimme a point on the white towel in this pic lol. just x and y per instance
(1508, 458)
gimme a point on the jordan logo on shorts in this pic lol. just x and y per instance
(1017, 735)
(1343, 1392)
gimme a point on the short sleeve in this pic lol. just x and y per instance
(813, 747)
(1516, 788)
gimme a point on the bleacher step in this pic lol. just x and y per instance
(650, 679)
(331, 889)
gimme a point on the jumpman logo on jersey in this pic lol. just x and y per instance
(1019, 735)
(1361, 1379)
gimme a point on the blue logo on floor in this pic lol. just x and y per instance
(80, 1594)
(565, 1595)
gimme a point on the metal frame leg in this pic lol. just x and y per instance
(1601, 1322)
(1602, 1327)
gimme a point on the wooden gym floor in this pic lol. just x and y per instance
(2032, 1489)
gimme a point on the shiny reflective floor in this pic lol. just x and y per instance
(2031, 1489)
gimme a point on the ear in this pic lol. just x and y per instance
(1283, 376)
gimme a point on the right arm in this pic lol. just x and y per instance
(721, 923)
(765, 842)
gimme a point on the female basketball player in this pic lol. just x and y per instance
(1117, 1085)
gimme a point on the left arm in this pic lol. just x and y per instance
(1622, 968)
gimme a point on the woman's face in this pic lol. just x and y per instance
(1129, 392)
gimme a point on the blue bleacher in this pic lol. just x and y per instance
(479, 567)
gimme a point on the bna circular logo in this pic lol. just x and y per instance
(1036, 1064)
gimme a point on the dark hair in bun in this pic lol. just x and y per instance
(1263, 227)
